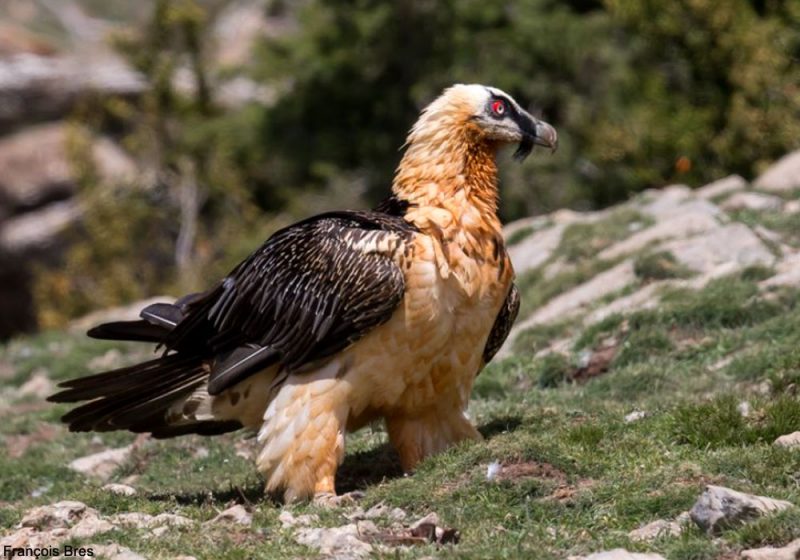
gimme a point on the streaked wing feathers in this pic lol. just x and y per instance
(311, 290)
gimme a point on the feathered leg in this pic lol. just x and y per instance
(303, 435)
(419, 436)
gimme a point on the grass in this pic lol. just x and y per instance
(585, 476)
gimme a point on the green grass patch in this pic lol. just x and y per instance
(660, 265)
(584, 240)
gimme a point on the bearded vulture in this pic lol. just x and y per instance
(342, 319)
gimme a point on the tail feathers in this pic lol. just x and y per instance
(157, 320)
(137, 398)
(139, 331)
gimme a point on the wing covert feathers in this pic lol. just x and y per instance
(502, 324)
(310, 291)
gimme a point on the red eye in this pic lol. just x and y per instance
(498, 107)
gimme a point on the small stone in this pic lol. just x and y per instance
(381, 510)
(236, 515)
(289, 521)
(720, 508)
(493, 470)
(789, 552)
(101, 465)
(120, 489)
(744, 409)
(792, 207)
(788, 440)
(634, 416)
(655, 530)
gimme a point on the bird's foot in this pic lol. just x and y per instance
(331, 500)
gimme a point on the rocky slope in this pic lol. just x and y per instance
(645, 407)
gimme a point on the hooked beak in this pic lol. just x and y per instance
(535, 132)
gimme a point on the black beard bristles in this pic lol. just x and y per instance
(524, 149)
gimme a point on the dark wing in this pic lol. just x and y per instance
(310, 291)
(502, 324)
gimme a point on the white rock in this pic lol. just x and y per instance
(60, 514)
(752, 201)
(656, 529)
(120, 489)
(39, 385)
(634, 416)
(685, 224)
(788, 440)
(381, 510)
(733, 245)
(493, 470)
(288, 520)
(646, 297)
(744, 409)
(535, 249)
(236, 515)
(789, 552)
(787, 273)
(573, 301)
(720, 508)
(335, 542)
(103, 464)
(113, 552)
(792, 207)
(729, 184)
(90, 526)
(782, 176)
(664, 202)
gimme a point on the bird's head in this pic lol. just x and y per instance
(491, 114)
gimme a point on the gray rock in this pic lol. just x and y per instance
(660, 203)
(752, 201)
(788, 440)
(720, 508)
(789, 552)
(573, 301)
(787, 273)
(730, 184)
(338, 543)
(655, 530)
(120, 489)
(734, 244)
(236, 515)
(535, 249)
(103, 464)
(58, 515)
(692, 222)
(782, 176)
